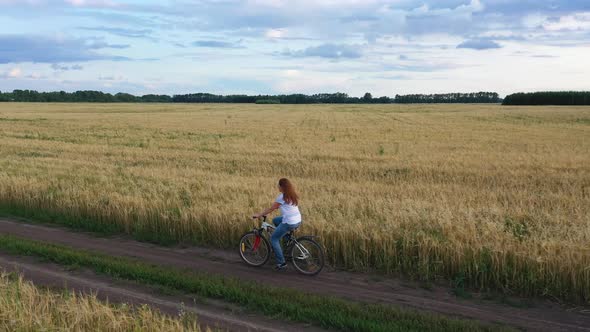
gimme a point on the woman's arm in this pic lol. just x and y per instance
(266, 211)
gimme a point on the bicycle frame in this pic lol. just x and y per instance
(268, 228)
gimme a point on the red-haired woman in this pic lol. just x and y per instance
(290, 218)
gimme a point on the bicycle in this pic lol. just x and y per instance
(304, 252)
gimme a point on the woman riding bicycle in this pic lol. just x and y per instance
(290, 218)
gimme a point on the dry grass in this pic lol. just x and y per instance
(23, 307)
(489, 196)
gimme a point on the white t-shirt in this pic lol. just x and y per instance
(290, 213)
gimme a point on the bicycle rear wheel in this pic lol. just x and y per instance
(254, 249)
(307, 256)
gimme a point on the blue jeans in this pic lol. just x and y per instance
(275, 239)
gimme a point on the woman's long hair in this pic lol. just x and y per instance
(289, 194)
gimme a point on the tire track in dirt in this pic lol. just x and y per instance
(544, 316)
(116, 291)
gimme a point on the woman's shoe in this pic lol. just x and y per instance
(280, 267)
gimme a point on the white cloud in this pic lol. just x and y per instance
(474, 6)
(93, 3)
(15, 72)
(275, 33)
(35, 76)
(112, 78)
(26, 2)
(578, 21)
(297, 81)
(534, 20)
(312, 3)
(292, 73)
(466, 9)
(271, 3)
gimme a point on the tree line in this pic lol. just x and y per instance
(472, 97)
(549, 98)
(80, 96)
(321, 98)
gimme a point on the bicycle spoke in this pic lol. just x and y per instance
(308, 257)
(254, 250)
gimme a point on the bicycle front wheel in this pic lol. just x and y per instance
(308, 256)
(254, 249)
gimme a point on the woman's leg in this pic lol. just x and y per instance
(275, 240)
(294, 227)
(288, 238)
(277, 220)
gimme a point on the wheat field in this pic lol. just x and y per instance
(24, 307)
(487, 196)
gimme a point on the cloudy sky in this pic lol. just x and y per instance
(299, 46)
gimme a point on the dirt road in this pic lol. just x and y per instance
(210, 314)
(542, 316)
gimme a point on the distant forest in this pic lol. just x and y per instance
(549, 98)
(474, 97)
(322, 98)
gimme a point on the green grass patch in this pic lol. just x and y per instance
(323, 311)
(268, 101)
(22, 120)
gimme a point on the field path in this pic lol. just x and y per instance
(116, 291)
(542, 316)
